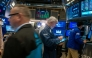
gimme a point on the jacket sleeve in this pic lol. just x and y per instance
(78, 37)
(48, 40)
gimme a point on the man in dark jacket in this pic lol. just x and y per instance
(20, 44)
(75, 42)
(49, 40)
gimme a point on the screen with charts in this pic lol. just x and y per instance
(86, 8)
(72, 25)
(75, 10)
(42, 14)
(61, 24)
(9, 28)
(59, 32)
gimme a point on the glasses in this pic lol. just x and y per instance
(13, 14)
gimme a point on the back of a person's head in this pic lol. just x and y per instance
(52, 19)
(23, 9)
(79, 23)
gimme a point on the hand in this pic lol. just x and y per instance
(61, 44)
(60, 37)
(85, 41)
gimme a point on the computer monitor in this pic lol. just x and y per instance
(89, 34)
(59, 32)
(61, 24)
(72, 25)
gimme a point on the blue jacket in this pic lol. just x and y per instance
(49, 41)
(75, 40)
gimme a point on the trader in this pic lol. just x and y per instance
(50, 41)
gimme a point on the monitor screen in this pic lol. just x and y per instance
(59, 32)
(68, 32)
(89, 34)
(42, 14)
(75, 10)
(86, 8)
(9, 28)
(72, 24)
(61, 24)
(69, 13)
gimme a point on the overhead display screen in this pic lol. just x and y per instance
(73, 11)
(69, 13)
(42, 14)
(86, 8)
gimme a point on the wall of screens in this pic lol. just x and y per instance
(86, 8)
(80, 9)
(73, 11)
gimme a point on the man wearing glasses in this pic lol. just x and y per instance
(20, 44)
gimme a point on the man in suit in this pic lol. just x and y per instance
(20, 44)
(50, 41)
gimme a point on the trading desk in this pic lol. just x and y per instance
(87, 50)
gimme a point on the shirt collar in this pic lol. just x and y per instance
(20, 27)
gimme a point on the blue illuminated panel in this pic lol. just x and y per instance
(59, 32)
(75, 10)
(86, 8)
(9, 28)
(90, 4)
(61, 24)
(72, 25)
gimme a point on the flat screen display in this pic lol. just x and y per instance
(86, 8)
(61, 24)
(90, 5)
(9, 28)
(72, 24)
(69, 13)
(75, 10)
(42, 14)
(89, 34)
(59, 32)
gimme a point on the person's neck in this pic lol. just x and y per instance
(20, 24)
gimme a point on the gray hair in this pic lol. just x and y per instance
(23, 9)
(52, 19)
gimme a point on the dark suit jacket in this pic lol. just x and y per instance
(21, 43)
(50, 42)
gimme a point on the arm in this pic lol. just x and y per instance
(48, 40)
